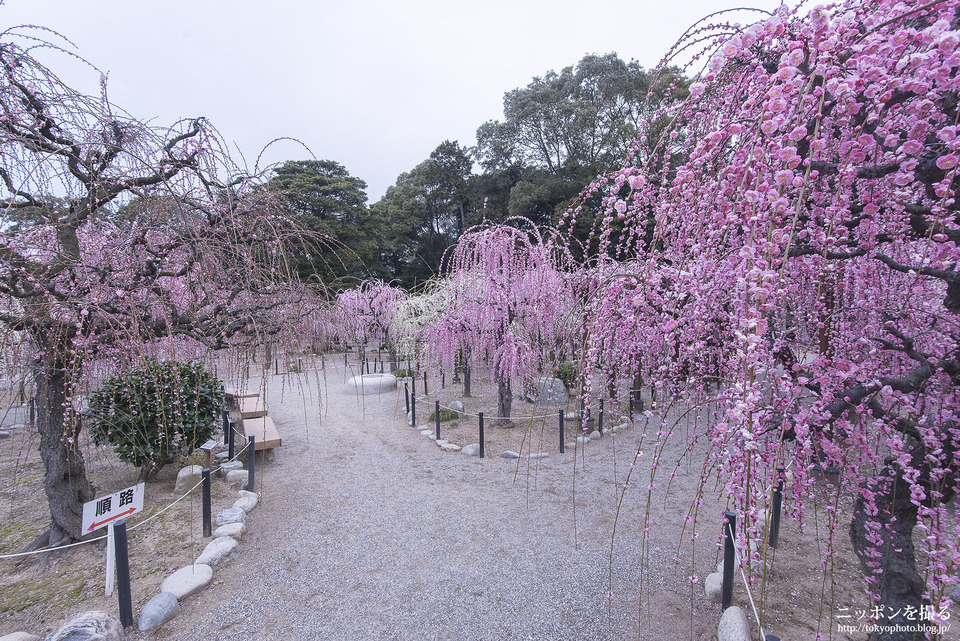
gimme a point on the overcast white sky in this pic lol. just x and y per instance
(373, 84)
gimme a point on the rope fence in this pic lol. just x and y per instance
(132, 527)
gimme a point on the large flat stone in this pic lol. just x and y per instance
(246, 501)
(220, 549)
(89, 626)
(188, 477)
(158, 611)
(188, 580)
(733, 625)
(231, 515)
(233, 530)
(371, 384)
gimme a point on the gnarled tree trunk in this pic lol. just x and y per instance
(65, 481)
(893, 560)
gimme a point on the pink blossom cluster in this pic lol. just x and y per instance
(793, 241)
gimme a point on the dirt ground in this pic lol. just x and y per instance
(798, 597)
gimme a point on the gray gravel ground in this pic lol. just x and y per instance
(366, 530)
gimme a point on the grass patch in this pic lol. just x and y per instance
(58, 592)
(15, 536)
(445, 416)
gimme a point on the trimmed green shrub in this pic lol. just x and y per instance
(568, 373)
(445, 415)
(400, 373)
(155, 414)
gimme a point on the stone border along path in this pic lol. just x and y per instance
(363, 532)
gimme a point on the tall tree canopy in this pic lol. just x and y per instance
(585, 117)
(326, 200)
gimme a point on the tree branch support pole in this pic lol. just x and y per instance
(729, 559)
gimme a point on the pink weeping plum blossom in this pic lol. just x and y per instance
(796, 236)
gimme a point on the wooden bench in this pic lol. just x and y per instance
(251, 407)
(264, 432)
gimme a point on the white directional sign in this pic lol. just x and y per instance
(108, 509)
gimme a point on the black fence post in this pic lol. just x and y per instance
(205, 492)
(775, 511)
(630, 398)
(481, 433)
(729, 559)
(226, 424)
(276, 366)
(561, 431)
(123, 573)
(425, 392)
(251, 463)
(600, 418)
(413, 384)
(436, 413)
(406, 396)
(231, 448)
(413, 410)
(33, 411)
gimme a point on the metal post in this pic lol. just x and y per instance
(406, 396)
(630, 397)
(413, 410)
(729, 558)
(33, 411)
(600, 418)
(413, 384)
(205, 492)
(226, 424)
(276, 366)
(481, 434)
(231, 449)
(123, 574)
(774, 534)
(425, 392)
(443, 379)
(561, 431)
(436, 412)
(251, 463)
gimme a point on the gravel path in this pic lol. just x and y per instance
(366, 530)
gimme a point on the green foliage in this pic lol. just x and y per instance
(400, 373)
(156, 413)
(568, 373)
(326, 200)
(445, 415)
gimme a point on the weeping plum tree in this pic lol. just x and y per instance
(195, 262)
(806, 251)
(367, 311)
(505, 290)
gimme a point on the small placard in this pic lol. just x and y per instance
(108, 509)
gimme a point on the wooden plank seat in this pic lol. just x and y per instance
(251, 407)
(264, 431)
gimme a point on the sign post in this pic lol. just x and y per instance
(104, 511)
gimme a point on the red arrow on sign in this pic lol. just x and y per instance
(115, 516)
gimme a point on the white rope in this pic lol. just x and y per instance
(465, 413)
(745, 584)
(132, 527)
